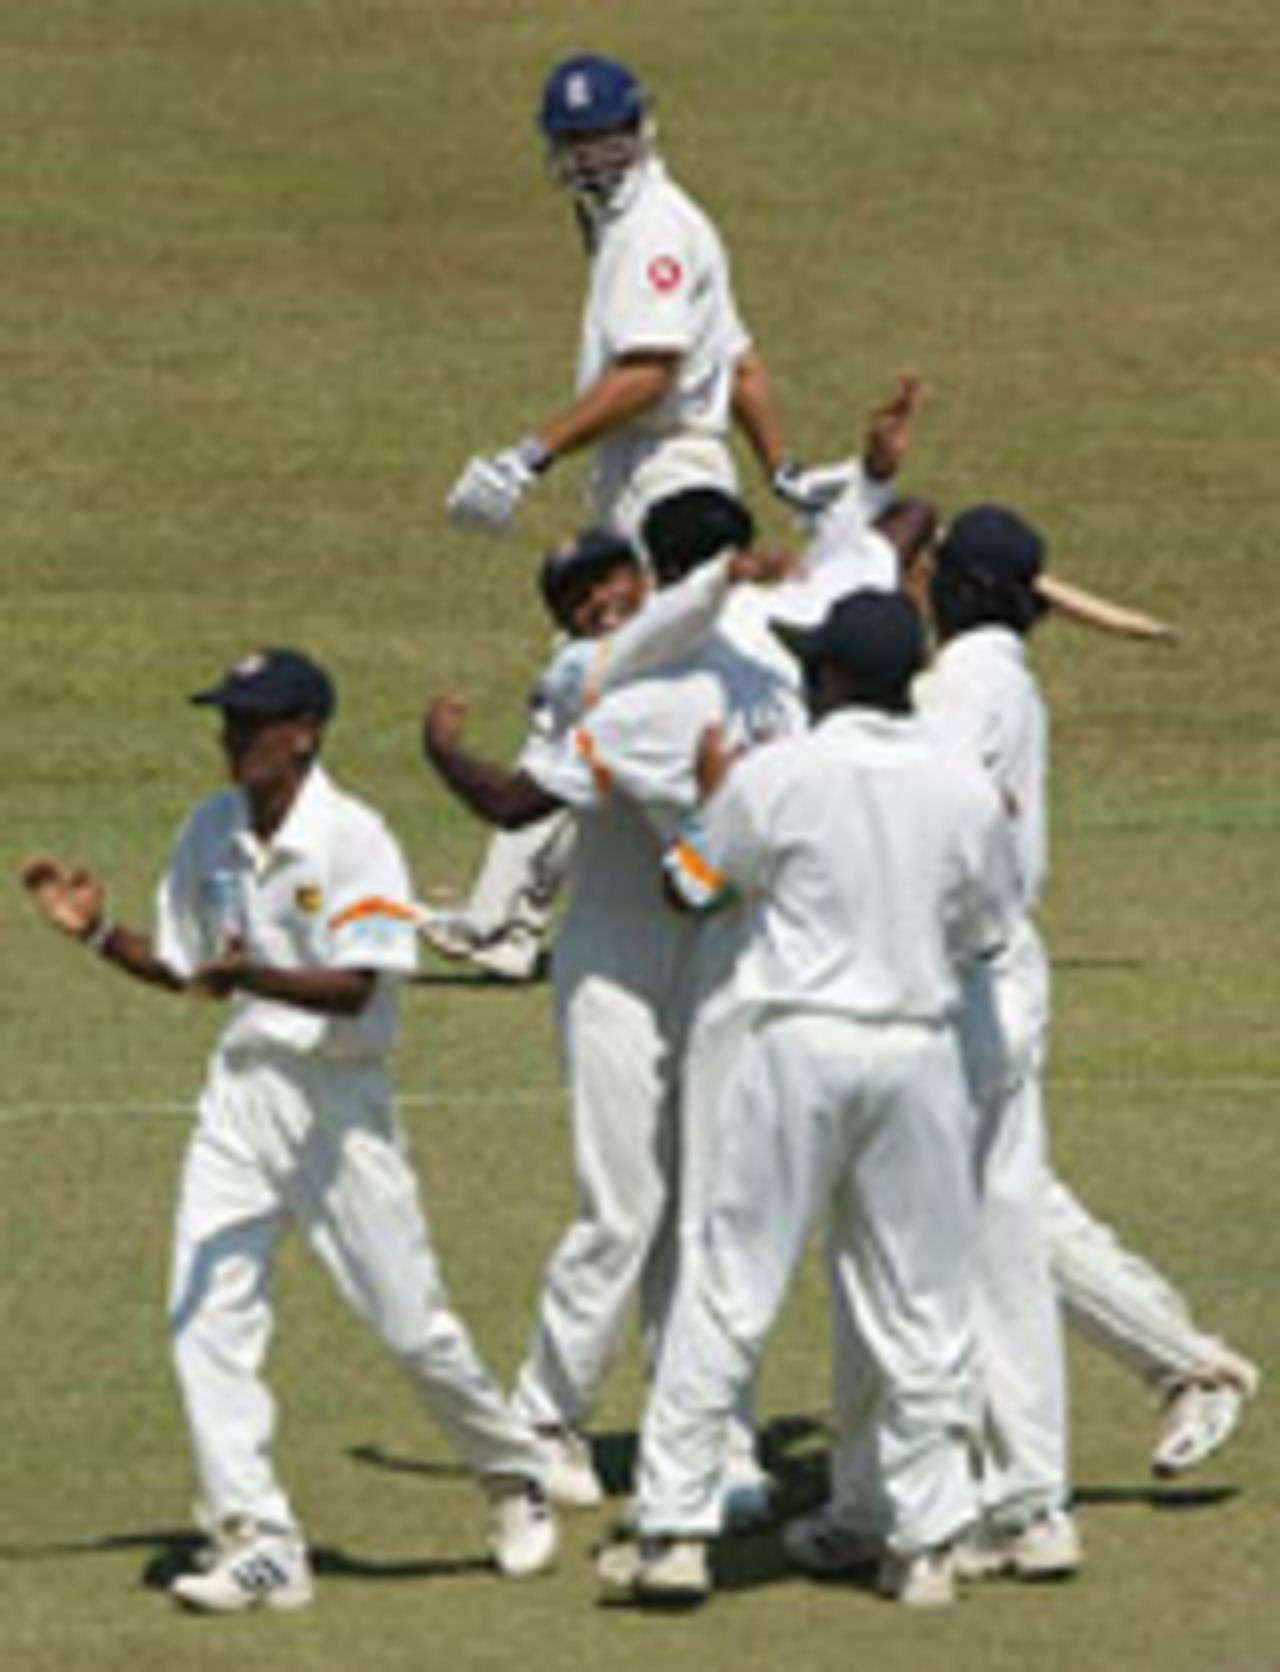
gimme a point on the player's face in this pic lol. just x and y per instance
(608, 602)
(267, 753)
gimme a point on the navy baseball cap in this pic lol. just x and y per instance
(589, 94)
(874, 636)
(274, 683)
(994, 546)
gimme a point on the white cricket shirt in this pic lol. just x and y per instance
(660, 280)
(981, 697)
(874, 867)
(330, 890)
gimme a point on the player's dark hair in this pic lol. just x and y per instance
(964, 601)
(688, 528)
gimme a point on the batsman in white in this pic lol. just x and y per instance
(666, 368)
(290, 900)
(665, 363)
(875, 868)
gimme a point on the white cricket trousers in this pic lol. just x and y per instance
(1004, 1031)
(870, 1126)
(620, 990)
(1119, 1301)
(284, 1138)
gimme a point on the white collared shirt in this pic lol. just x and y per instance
(660, 281)
(873, 864)
(981, 697)
(330, 890)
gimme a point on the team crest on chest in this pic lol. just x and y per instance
(306, 897)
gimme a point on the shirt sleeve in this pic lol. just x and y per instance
(734, 846)
(179, 929)
(673, 624)
(650, 298)
(372, 922)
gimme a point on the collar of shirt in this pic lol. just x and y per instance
(869, 723)
(303, 830)
(979, 643)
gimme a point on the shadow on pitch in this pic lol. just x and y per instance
(1169, 1498)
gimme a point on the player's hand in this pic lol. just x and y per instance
(219, 977)
(764, 565)
(889, 429)
(68, 896)
(809, 490)
(713, 761)
(442, 726)
(493, 484)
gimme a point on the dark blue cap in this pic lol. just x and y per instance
(992, 545)
(273, 682)
(875, 637)
(589, 94)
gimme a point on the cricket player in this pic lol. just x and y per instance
(665, 364)
(875, 868)
(288, 899)
(622, 971)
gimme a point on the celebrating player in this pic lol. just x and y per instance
(289, 899)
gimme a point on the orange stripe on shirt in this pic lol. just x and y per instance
(689, 860)
(373, 907)
(585, 745)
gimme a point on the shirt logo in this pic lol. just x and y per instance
(306, 898)
(665, 273)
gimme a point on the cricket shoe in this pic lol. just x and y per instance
(522, 1530)
(249, 1568)
(655, 1572)
(511, 953)
(1045, 1547)
(747, 1495)
(569, 1475)
(1202, 1412)
(823, 1545)
(921, 1579)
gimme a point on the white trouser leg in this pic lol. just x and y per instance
(872, 1121)
(1024, 1453)
(229, 1221)
(520, 877)
(902, 1240)
(1117, 1300)
(619, 1064)
(719, 1028)
(354, 1192)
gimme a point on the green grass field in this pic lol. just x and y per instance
(272, 270)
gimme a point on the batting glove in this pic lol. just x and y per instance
(810, 490)
(493, 484)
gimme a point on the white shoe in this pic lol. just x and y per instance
(746, 1495)
(924, 1579)
(569, 1478)
(510, 953)
(821, 1544)
(250, 1568)
(522, 1530)
(1202, 1412)
(1046, 1547)
(670, 1571)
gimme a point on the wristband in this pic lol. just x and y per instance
(534, 454)
(97, 938)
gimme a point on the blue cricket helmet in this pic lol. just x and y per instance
(590, 94)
